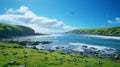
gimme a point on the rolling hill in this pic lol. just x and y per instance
(8, 30)
(107, 31)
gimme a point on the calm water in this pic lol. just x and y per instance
(77, 41)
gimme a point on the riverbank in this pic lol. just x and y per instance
(43, 58)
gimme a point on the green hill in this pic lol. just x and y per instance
(7, 30)
(108, 31)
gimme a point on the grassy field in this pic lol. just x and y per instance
(41, 58)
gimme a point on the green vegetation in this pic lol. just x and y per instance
(109, 31)
(7, 30)
(41, 58)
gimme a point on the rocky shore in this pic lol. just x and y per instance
(24, 43)
(107, 53)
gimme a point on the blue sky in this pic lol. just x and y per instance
(72, 13)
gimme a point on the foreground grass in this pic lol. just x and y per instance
(42, 58)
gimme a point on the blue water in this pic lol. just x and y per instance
(77, 41)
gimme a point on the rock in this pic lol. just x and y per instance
(24, 52)
(12, 62)
(15, 53)
(57, 48)
(63, 47)
(99, 62)
(93, 48)
(55, 57)
(45, 42)
(84, 46)
(61, 58)
(74, 59)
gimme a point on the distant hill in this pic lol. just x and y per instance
(8, 30)
(108, 31)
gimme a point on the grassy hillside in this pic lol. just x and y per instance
(109, 31)
(7, 30)
(41, 58)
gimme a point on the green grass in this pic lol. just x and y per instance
(9, 30)
(109, 31)
(38, 58)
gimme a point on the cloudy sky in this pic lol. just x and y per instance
(50, 16)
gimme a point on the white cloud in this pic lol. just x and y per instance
(23, 9)
(9, 10)
(24, 16)
(117, 20)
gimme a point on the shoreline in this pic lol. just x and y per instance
(86, 49)
(18, 36)
(93, 34)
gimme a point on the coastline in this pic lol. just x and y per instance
(93, 34)
(85, 50)
(75, 47)
(89, 51)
